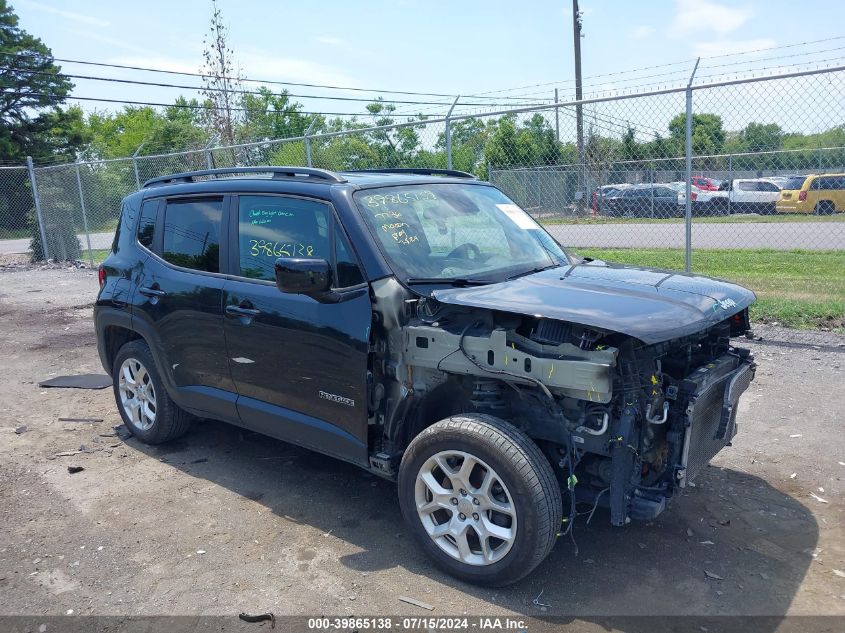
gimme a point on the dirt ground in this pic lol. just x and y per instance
(223, 521)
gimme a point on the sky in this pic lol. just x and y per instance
(449, 48)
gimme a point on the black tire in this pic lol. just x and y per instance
(825, 207)
(170, 422)
(523, 469)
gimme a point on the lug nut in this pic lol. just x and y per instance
(463, 492)
(475, 502)
(475, 516)
(454, 501)
(462, 516)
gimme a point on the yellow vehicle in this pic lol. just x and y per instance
(822, 194)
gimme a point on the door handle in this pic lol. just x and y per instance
(241, 311)
(151, 292)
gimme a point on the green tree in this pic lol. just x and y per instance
(708, 133)
(761, 137)
(33, 123)
(271, 116)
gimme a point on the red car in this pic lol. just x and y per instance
(705, 183)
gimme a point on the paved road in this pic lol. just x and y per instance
(780, 235)
(98, 240)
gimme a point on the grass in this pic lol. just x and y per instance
(14, 234)
(710, 219)
(797, 288)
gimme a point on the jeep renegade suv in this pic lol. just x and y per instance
(421, 325)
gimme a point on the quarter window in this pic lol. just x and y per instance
(348, 271)
(192, 233)
(147, 223)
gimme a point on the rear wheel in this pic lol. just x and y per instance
(481, 498)
(825, 207)
(146, 409)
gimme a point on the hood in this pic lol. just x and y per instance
(650, 305)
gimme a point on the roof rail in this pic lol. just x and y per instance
(279, 173)
(421, 171)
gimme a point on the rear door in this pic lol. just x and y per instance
(178, 302)
(299, 365)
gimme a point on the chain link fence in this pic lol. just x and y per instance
(743, 180)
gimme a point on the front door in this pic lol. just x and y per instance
(299, 364)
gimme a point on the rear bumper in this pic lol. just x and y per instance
(790, 206)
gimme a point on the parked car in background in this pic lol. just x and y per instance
(819, 194)
(788, 182)
(746, 195)
(643, 201)
(600, 193)
(700, 197)
(705, 184)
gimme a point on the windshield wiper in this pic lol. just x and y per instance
(455, 281)
(539, 269)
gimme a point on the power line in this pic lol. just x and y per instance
(238, 79)
(233, 91)
(187, 106)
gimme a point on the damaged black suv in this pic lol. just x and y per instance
(421, 325)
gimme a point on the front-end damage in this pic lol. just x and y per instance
(625, 424)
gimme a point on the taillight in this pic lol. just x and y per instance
(802, 196)
(101, 275)
(693, 196)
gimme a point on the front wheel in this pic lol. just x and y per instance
(481, 498)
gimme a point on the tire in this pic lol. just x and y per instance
(519, 478)
(134, 364)
(825, 207)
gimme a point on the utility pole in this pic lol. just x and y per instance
(579, 111)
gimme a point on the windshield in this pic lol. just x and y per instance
(456, 232)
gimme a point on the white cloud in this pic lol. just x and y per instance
(265, 66)
(110, 41)
(642, 32)
(68, 15)
(695, 16)
(331, 41)
(731, 47)
(163, 63)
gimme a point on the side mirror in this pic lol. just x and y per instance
(295, 275)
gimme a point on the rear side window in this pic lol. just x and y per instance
(767, 186)
(147, 223)
(192, 233)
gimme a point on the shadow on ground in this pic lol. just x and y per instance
(731, 545)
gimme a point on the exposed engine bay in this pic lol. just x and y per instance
(624, 424)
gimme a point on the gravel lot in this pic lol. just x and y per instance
(223, 521)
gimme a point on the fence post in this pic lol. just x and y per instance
(307, 136)
(730, 178)
(134, 166)
(209, 159)
(44, 248)
(688, 187)
(449, 133)
(557, 118)
(84, 215)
